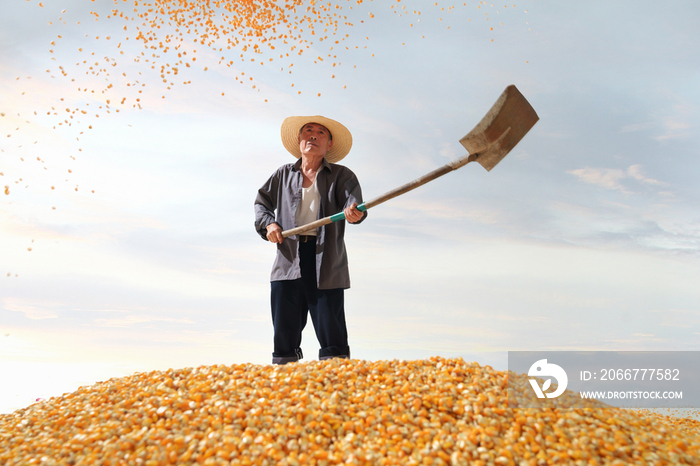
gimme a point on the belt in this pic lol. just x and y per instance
(306, 238)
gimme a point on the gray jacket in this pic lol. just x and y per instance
(339, 188)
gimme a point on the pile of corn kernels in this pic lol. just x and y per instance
(425, 412)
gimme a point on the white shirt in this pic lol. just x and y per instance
(307, 211)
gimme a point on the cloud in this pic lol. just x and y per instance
(673, 236)
(636, 127)
(679, 318)
(674, 125)
(608, 178)
(611, 178)
(99, 221)
(130, 320)
(444, 209)
(448, 151)
(34, 310)
(634, 171)
(675, 129)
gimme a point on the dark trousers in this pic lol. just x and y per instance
(293, 300)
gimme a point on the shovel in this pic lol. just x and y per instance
(505, 124)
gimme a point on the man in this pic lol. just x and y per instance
(310, 270)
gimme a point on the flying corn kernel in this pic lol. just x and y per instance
(256, 29)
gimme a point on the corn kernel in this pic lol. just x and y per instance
(436, 411)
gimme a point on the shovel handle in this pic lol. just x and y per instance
(460, 162)
(505, 124)
(319, 223)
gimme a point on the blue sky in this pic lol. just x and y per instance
(586, 236)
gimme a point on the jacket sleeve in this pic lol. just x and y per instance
(350, 191)
(265, 204)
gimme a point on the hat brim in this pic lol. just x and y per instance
(342, 139)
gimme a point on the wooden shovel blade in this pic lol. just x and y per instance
(509, 119)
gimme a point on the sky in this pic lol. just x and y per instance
(127, 241)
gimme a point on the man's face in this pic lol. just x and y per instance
(314, 140)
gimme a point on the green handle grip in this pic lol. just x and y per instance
(341, 215)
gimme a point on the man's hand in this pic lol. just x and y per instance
(352, 215)
(274, 233)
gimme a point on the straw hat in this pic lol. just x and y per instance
(342, 139)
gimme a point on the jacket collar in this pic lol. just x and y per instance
(324, 164)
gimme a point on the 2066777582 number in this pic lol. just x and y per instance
(640, 374)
